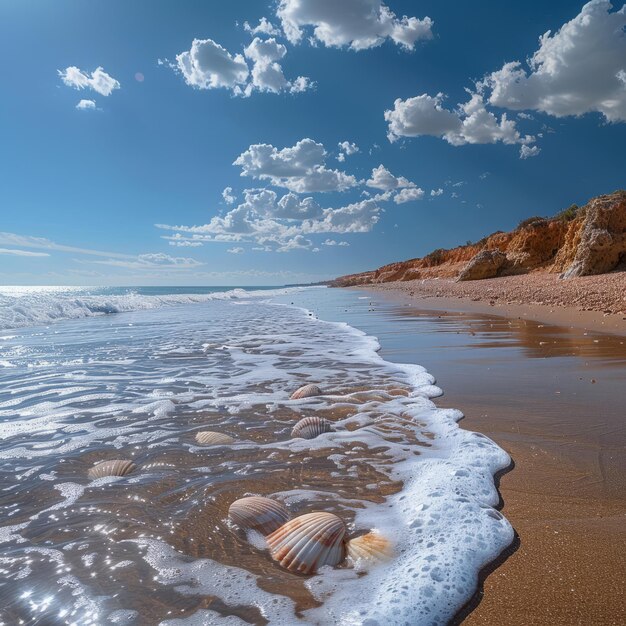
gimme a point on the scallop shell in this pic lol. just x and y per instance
(211, 438)
(311, 427)
(258, 513)
(111, 468)
(308, 542)
(306, 392)
(369, 547)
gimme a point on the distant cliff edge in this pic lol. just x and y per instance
(578, 241)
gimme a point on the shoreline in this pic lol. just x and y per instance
(550, 396)
(550, 300)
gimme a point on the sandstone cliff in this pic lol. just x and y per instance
(578, 241)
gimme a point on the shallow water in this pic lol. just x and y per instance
(156, 546)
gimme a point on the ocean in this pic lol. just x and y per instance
(92, 374)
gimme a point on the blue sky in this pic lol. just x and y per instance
(117, 176)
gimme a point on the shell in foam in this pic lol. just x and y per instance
(258, 513)
(369, 547)
(211, 438)
(118, 467)
(311, 427)
(307, 391)
(308, 542)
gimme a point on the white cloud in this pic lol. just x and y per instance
(27, 241)
(333, 242)
(228, 196)
(153, 261)
(292, 207)
(471, 123)
(255, 220)
(207, 65)
(267, 73)
(527, 152)
(27, 253)
(348, 147)
(579, 69)
(85, 105)
(99, 80)
(295, 243)
(436, 192)
(236, 250)
(264, 27)
(300, 168)
(408, 194)
(360, 24)
(383, 179)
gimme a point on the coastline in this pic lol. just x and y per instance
(550, 395)
(594, 303)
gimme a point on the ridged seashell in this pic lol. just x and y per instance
(111, 468)
(308, 542)
(306, 392)
(311, 427)
(258, 513)
(369, 547)
(211, 438)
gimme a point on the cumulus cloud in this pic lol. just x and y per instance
(333, 242)
(526, 152)
(86, 105)
(436, 192)
(299, 242)
(408, 194)
(300, 168)
(207, 65)
(228, 196)
(383, 179)
(264, 27)
(259, 220)
(470, 123)
(579, 69)
(360, 24)
(98, 80)
(236, 250)
(349, 148)
(267, 73)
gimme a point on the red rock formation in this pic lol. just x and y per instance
(578, 241)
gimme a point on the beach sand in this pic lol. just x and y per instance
(593, 302)
(553, 396)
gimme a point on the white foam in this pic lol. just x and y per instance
(20, 307)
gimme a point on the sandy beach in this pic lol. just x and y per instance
(593, 302)
(552, 395)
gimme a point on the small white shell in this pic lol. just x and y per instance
(258, 513)
(308, 542)
(211, 438)
(311, 427)
(369, 547)
(306, 392)
(111, 468)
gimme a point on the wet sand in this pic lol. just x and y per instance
(553, 397)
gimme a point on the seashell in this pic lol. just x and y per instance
(308, 542)
(307, 391)
(369, 547)
(111, 468)
(311, 427)
(258, 513)
(211, 438)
